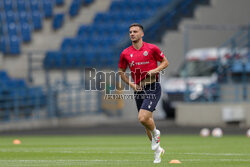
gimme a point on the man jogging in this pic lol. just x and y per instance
(142, 59)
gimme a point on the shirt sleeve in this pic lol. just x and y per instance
(122, 63)
(158, 54)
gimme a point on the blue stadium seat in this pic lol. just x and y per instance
(34, 5)
(37, 96)
(1, 5)
(22, 6)
(84, 30)
(99, 18)
(68, 59)
(82, 42)
(20, 97)
(8, 5)
(12, 29)
(24, 17)
(2, 18)
(87, 2)
(26, 32)
(4, 44)
(3, 75)
(78, 63)
(21, 83)
(116, 16)
(3, 29)
(185, 6)
(53, 59)
(135, 6)
(37, 20)
(75, 43)
(72, 59)
(169, 18)
(67, 43)
(89, 57)
(10, 17)
(58, 21)
(14, 45)
(75, 7)
(115, 6)
(105, 56)
(47, 8)
(16, 84)
(59, 2)
(34, 92)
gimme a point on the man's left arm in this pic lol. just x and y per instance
(164, 63)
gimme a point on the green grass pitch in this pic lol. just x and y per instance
(124, 151)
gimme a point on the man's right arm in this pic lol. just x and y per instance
(125, 78)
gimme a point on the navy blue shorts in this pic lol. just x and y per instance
(148, 98)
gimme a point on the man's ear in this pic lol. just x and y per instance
(142, 35)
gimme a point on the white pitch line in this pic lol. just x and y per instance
(216, 154)
(94, 160)
(110, 152)
(99, 160)
(75, 152)
(215, 160)
(84, 152)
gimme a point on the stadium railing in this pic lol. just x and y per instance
(53, 102)
(57, 100)
(238, 64)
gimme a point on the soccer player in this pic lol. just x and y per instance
(142, 58)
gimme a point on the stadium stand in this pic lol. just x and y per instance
(16, 95)
(239, 58)
(101, 39)
(19, 18)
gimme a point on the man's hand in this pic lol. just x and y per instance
(152, 73)
(162, 66)
(136, 87)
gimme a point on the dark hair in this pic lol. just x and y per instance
(136, 24)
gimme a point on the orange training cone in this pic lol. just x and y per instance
(16, 141)
(175, 161)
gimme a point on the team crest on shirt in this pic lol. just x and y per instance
(131, 55)
(145, 53)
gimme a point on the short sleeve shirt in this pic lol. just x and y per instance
(140, 61)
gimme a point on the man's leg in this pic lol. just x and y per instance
(149, 134)
(145, 116)
(146, 119)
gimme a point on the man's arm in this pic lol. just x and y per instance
(125, 78)
(162, 66)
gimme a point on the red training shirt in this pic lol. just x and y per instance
(140, 61)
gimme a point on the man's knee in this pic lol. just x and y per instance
(143, 116)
